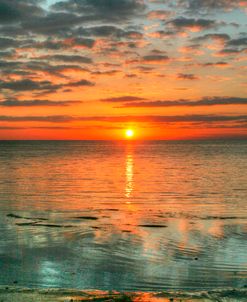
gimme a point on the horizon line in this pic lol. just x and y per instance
(131, 140)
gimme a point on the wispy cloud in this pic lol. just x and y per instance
(213, 101)
(187, 76)
(193, 24)
(120, 99)
(30, 85)
(37, 103)
(116, 119)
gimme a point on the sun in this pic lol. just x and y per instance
(129, 133)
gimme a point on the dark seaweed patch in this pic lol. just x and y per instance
(37, 224)
(37, 218)
(25, 223)
(14, 216)
(87, 217)
(23, 217)
(152, 225)
(221, 217)
(53, 225)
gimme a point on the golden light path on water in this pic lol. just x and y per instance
(129, 172)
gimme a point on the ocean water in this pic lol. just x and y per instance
(123, 215)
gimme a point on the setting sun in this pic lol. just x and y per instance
(129, 133)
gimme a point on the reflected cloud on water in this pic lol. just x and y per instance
(108, 258)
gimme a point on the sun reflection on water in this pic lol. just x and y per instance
(129, 174)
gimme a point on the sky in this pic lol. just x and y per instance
(89, 69)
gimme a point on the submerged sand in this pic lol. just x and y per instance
(15, 294)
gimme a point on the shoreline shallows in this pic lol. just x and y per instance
(18, 294)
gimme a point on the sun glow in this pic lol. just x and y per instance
(129, 133)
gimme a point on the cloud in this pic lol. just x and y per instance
(159, 14)
(120, 99)
(190, 118)
(192, 24)
(102, 31)
(215, 64)
(187, 76)
(238, 42)
(211, 5)
(204, 6)
(110, 31)
(105, 127)
(162, 34)
(79, 83)
(14, 11)
(144, 69)
(69, 58)
(216, 37)
(58, 24)
(208, 101)
(51, 44)
(66, 18)
(47, 67)
(80, 42)
(109, 10)
(7, 54)
(37, 103)
(30, 85)
(6, 43)
(105, 73)
(155, 59)
(51, 119)
(31, 68)
(7, 64)
(231, 46)
(231, 51)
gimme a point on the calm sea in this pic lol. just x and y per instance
(123, 215)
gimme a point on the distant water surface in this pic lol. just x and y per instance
(123, 215)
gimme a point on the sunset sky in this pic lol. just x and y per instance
(90, 69)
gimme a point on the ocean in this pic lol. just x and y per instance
(123, 215)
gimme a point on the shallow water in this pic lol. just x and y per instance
(123, 215)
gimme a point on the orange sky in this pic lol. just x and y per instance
(89, 70)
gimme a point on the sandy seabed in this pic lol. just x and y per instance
(17, 294)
